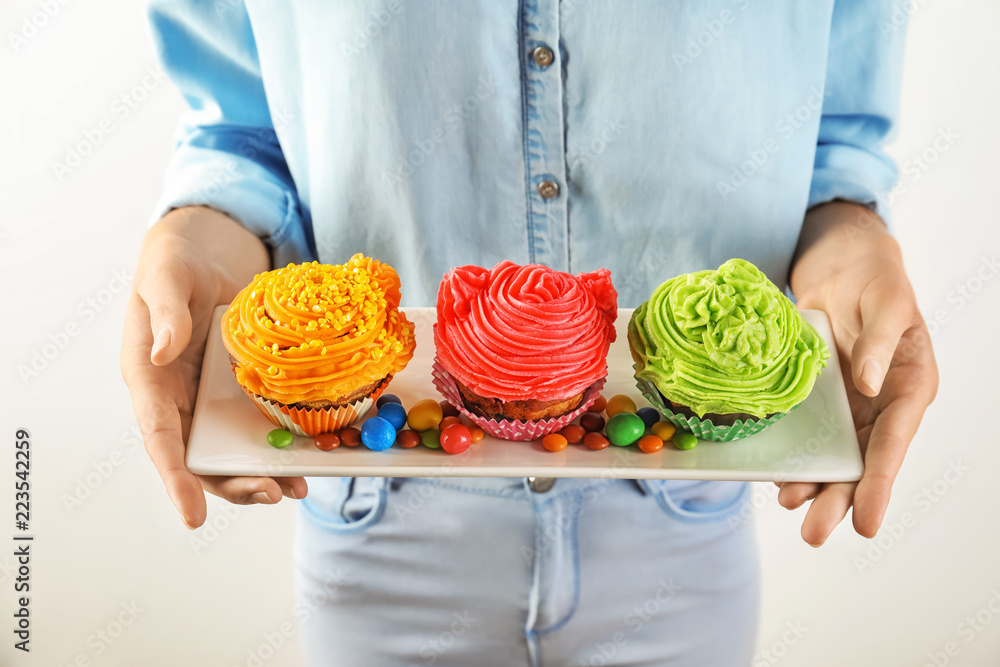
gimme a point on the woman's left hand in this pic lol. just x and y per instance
(851, 267)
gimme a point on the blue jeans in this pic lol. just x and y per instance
(459, 571)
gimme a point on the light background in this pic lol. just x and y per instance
(209, 597)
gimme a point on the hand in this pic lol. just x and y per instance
(849, 266)
(192, 260)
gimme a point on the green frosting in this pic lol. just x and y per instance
(726, 341)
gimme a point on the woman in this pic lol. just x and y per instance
(649, 138)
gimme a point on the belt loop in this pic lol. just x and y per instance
(643, 486)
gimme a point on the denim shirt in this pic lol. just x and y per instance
(650, 137)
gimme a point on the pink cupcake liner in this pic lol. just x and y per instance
(516, 429)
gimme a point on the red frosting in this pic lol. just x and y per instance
(525, 332)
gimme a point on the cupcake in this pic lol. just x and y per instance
(724, 353)
(315, 344)
(523, 349)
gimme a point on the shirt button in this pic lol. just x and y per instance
(541, 484)
(543, 56)
(548, 189)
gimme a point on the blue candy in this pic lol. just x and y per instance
(387, 398)
(394, 413)
(649, 416)
(378, 434)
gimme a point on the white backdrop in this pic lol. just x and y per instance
(117, 579)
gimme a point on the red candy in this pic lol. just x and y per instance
(455, 438)
(407, 439)
(592, 421)
(595, 440)
(327, 441)
(574, 434)
(448, 421)
(599, 404)
(350, 436)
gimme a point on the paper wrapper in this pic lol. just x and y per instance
(313, 421)
(703, 428)
(511, 429)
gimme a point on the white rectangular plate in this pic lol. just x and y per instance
(814, 443)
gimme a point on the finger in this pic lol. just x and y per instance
(166, 291)
(793, 494)
(244, 490)
(886, 313)
(827, 510)
(887, 445)
(159, 418)
(293, 487)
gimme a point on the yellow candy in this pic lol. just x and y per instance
(425, 415)
(619, 403)
(663, 430)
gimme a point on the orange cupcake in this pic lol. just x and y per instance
(315, 344)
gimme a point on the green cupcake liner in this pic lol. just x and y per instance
(702, 428)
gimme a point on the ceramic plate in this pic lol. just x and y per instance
(814, 443)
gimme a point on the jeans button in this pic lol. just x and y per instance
(541, 484)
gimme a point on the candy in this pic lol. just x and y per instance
(554, 442)
(327, 441)
(350, 436)
(573, 434)
(650, 444)
(448, 410)
(387, 398)
(425, 415)
(448, 421)
(599, 404)
(618, 404)
(591, 421)
(685, 441)
(431, 439)
(378, 434)
(279, 438)
(663, 430)
(648, 415)
(455, 438)
(595, 440)
(394, 413)
(407, 439)
(624, 428)
(477, 433)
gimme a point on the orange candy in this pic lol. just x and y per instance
(650, 443)
(477, 433)
(350, 436)
(407, 439)
(574, 434)
(448, 421)
(599, 404)
(554, 442)
(595, 440)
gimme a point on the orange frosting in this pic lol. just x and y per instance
(315, 332)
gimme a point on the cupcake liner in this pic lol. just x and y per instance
(703, 428)
(314, 421)
(515, 429)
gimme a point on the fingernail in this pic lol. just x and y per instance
(292, 494)
(872, 375)
(262, 498)
(161, 341)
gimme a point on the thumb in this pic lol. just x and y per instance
(884, 320)
(167, 294)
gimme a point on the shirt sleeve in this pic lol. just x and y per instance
(226, 154)
(861, 105)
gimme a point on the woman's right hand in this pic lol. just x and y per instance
(192, 260)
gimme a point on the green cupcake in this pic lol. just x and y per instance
(724, 353)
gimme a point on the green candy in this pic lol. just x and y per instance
(625, 428)
(684, 440)
(279, 438)
(431, 439)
